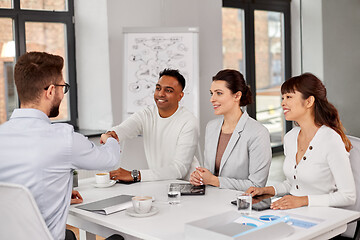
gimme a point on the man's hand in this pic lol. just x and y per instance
(121, 174)
(76, 197)
(290, 201)
(106, 135)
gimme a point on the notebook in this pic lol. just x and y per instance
(189, 189)
(109, 205)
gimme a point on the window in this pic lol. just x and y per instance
(37, 25)
(256, 36)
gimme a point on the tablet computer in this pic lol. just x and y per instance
(189, 189)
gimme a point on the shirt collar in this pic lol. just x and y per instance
(30, 113)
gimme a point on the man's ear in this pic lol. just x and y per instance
(181, 96)
(50, 92)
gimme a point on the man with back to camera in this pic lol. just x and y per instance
(41, 155)
(170, 133)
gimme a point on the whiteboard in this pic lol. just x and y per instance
(148, 51)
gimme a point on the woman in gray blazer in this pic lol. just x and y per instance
(237, 147)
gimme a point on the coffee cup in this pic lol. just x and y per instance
(102, 178)
(142, 204)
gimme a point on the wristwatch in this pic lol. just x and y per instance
(135, 175)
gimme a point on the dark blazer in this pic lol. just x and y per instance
(247, 157)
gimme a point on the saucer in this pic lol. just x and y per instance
(104, 185)
(131, 212)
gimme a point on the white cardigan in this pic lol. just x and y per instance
(323, 174)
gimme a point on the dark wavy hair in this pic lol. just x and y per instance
(325, 113)
(235, 82)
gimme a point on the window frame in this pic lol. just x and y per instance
(21, 16)
(249, 7)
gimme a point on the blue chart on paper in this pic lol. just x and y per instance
(268, 217)
(250, 224)
(293, 221)
(301, 223)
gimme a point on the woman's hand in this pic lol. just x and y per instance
(290, 201)
(203, 176)
(195, 178)
(207, 177)
(256, 191)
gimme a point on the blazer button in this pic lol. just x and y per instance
(297, 187)
(311, 148)
(295, 166)
(304, 158)
(294, 177)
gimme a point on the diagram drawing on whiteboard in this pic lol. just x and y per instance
(149, 53)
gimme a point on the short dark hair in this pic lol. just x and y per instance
(35, 71)
(235, 82)
(173, 73)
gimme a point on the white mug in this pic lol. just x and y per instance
(102, 178)
(142, 204)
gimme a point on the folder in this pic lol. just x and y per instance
(109, 205)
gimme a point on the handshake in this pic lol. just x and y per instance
(108, 134)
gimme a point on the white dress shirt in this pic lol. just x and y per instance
(42, 156)
(324, 172)
(169, 143)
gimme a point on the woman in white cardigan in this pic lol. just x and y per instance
(316, 166)
(237, 147)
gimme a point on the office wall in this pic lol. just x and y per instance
(204, 14)
(312, 37)
(92, 65)
(99, 54)
(326, 35)
(341, 37)
(324, 42)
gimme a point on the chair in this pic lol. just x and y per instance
(353, 230)
(20, 217)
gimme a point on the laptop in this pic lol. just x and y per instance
(189, 189)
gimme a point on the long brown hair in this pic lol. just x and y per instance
(325, 113)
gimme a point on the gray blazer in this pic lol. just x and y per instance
(247, 157)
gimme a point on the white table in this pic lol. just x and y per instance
(170, 221)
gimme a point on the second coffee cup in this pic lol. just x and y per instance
(142, 204)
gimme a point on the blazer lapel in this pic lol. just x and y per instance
(234, 139)
(213, 148)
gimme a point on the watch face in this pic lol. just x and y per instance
(135, 174)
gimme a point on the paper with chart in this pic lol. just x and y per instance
(148, 53)
(267, 216)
